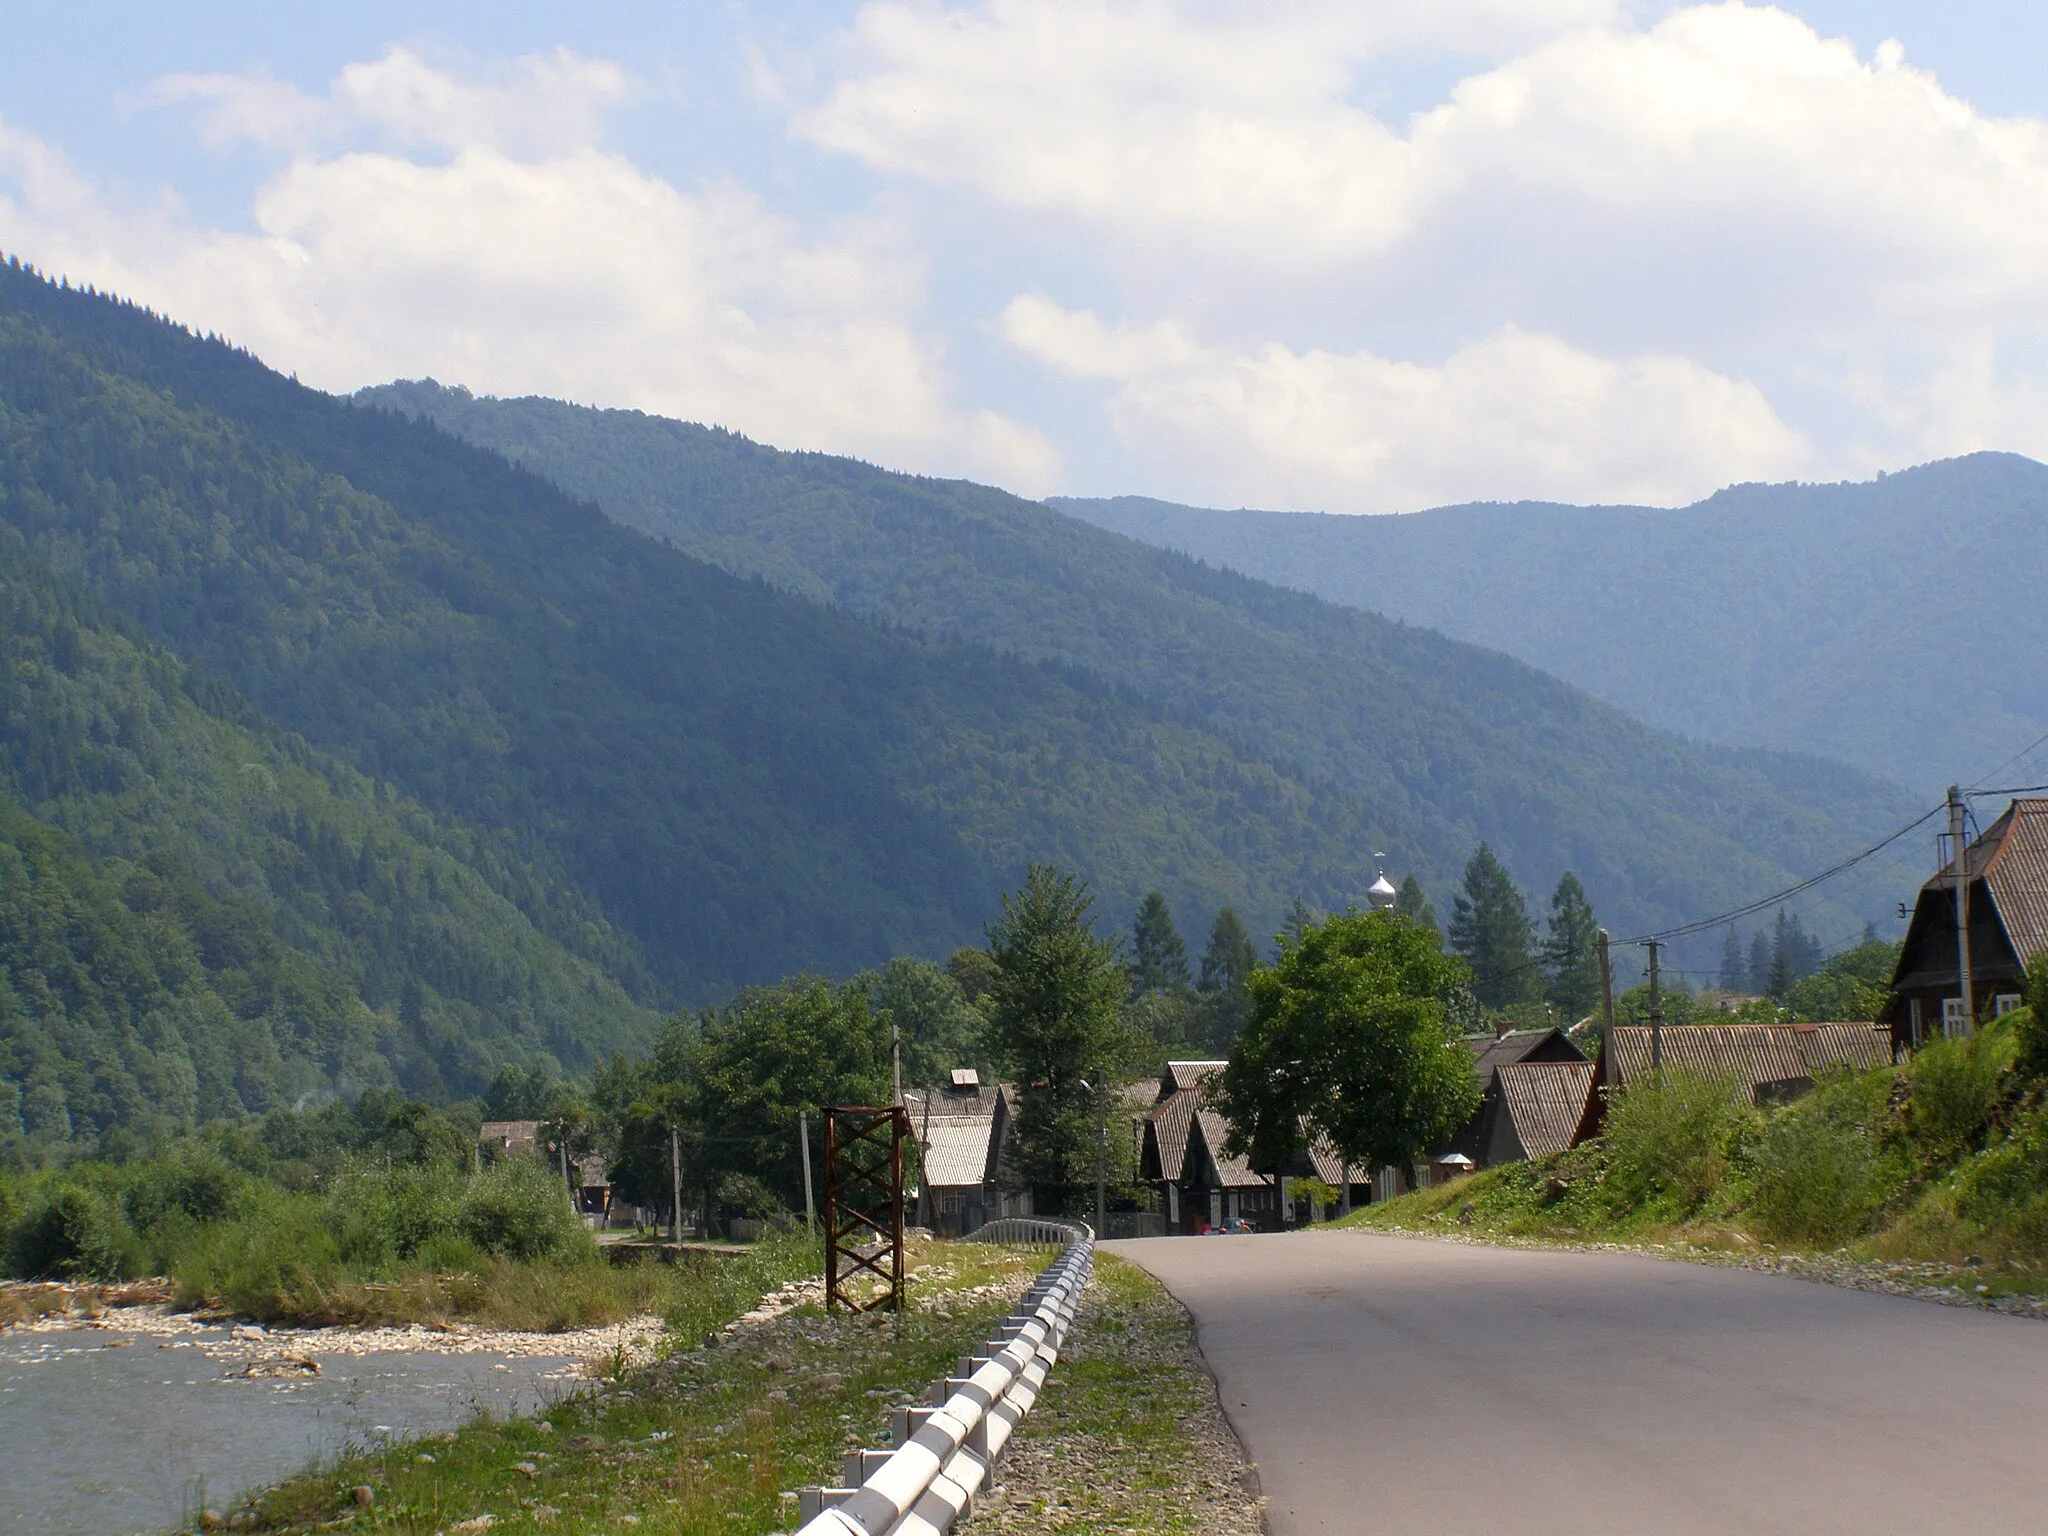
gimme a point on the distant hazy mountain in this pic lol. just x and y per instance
(1896, 625)
(1424, 742)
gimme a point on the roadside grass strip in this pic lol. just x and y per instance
(705, 1440)
(1132, 1439)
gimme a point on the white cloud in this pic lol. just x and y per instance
(1513, 415)
(1725, 186)
(568, 272)
(540, 104)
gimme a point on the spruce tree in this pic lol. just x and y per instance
(1490, 927)
(1733, 971)
(1300, 918)
(1760, 962)
(1227, 962)
(1573, 949)
(1159, 961)
(1411, 903)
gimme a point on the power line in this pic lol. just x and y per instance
(2025, 751)
(1684, 930)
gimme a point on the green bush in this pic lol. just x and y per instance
(74, 1233)
(1671, 1141)
(1954, 1087)
(2030, 1024)
(518, 1209)
(2003, 1192)
(1822, 1172)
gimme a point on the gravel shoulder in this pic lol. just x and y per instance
(1128, 1435)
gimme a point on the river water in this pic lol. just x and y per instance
(104, 1433)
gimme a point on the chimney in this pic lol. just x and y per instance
(1502, 1028)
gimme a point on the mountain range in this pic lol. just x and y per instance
(404, 737)
(1884, 624)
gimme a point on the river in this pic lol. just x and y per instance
(137, 1426)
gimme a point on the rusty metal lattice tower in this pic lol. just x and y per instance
(864, 1207)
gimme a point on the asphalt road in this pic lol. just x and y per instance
(1388, 1384)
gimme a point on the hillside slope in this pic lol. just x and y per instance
(741, 783)
(1448, 743)
(1865, 622)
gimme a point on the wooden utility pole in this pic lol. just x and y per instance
(803, 1142)
(1958, 843)
(675, 1183)
(1607, 1004)
(1656, 1015)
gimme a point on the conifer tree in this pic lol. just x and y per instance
(1490, 928)
(1300, 918)
(1760, 962)
(1574, 949)
(1411, 903)
(1733, 972)
(1159, 960)
(1228, 960)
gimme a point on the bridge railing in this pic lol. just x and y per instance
(945, 1449)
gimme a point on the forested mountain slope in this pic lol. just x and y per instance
(200, 914)
(742, 783)
(1883, 624)
(1445, 742)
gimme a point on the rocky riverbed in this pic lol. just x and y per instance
(132, 1418)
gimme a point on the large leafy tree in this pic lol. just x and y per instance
(1159, 960)
(1055, 1012)
(940, 1030)
(1573, 949)
(1350, 1038)
(1490, 927)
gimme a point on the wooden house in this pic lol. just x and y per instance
(2007, 870)
(963, 1130)
(1535, 1109)
(1774, 1063)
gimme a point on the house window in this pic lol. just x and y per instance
(1913, 1020)
(1953, 1021)
(2004, 1003)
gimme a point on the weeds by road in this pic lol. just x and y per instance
(706, 1440)
(1130, 1438)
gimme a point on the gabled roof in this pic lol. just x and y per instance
(2011, 858)
(1167, 1129)
(1491, 1053)
(1182, 1075)
(1231, 1172)
(1545, 1101)
(1753, 1054)
(956, 1151)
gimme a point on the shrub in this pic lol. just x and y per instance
(73, 1234)
(1954, 1088)
(2003, 1192)
(1672, 1139)
(1822, 1173)
(2030, 1025)
(519, 1209)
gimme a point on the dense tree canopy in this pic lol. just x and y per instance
(1350, 1038)
(1490, 927)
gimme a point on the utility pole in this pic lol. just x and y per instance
(895, 1061)
(1606, 1005)
(1957, 835)
(1656, 1016)
(803, 1140)
(675, 1183)
(1101, 1158)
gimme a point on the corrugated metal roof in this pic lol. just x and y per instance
(2017, 876)
(956, 1149)
(1497, 1051)
(1170, 1121)
(1545, 1100)
(1754, 1053)
(1192, 1074)
(1231, 1172)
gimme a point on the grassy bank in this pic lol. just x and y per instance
(704, 1441)
(1938, 1168)
(1131, 1437)
(427, 1242)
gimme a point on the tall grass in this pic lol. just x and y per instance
(1669, 1142)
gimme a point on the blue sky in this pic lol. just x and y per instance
(1364, 256)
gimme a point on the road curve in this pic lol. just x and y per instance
(1394, 1385)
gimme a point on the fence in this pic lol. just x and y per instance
(943, 1452)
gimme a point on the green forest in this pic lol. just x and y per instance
(340, 753)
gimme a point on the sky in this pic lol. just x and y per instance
(1365, 256)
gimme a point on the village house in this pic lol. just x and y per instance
(1204, 1190)
(1775, 1063)
(963, 1131)
(2007, 871)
